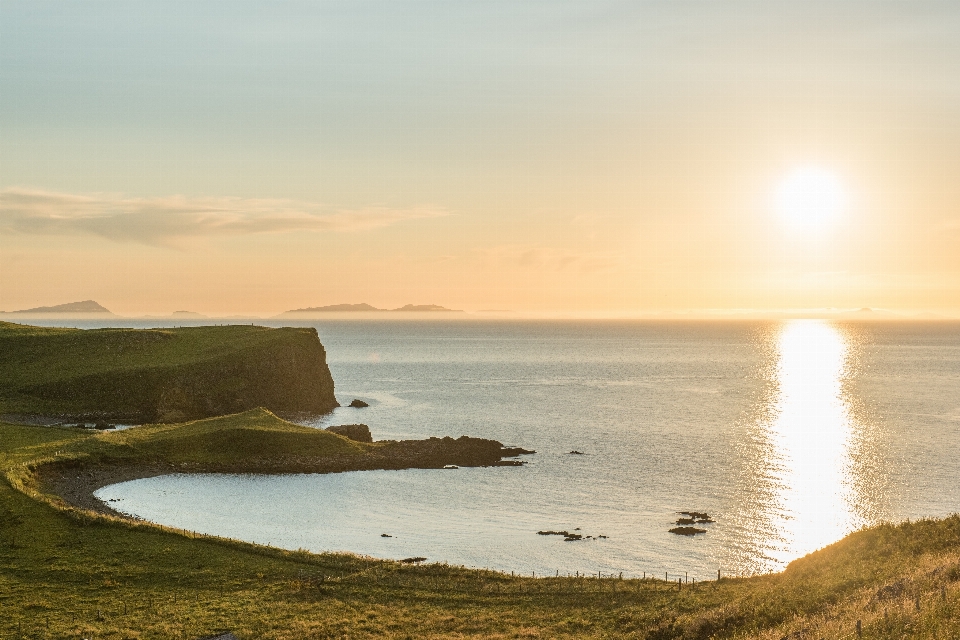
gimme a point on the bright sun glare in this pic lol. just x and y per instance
(810, 198)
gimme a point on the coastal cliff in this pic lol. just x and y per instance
(161, 375)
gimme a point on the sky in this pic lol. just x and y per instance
(579, 158)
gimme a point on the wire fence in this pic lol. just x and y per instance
(472, 580)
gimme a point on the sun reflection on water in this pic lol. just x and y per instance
(812, 464)
(812, 435)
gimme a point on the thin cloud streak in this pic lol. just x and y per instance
(167, 220)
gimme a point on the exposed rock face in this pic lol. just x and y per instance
(357, 432)
(438, 452)
(289, 376)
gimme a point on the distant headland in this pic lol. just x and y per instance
(85, 308)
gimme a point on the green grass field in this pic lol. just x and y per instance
(71, 574)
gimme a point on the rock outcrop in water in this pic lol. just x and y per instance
(687, 531)
(694, 517)
(356, 432)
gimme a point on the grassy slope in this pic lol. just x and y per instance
(68, 574)
(252, 435)
(126, 371)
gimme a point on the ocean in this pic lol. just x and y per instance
(789, 434)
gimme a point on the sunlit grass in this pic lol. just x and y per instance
(73, 575)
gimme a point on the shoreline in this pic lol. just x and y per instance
(75, 482)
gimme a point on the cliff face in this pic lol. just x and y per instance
(166, 375)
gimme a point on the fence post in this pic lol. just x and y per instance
(859, 629)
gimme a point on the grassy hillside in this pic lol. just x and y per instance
(243, 438)
(69, 574)
(161, 375)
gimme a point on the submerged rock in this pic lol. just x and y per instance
(699, 516)
(576, 453)
(568, 536)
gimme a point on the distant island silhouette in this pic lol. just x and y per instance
(363, 307)
(425, 307)
(85, 306)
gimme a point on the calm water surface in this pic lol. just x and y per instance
(790, 434)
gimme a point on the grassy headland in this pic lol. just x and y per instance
(161, 375)
(69, 573)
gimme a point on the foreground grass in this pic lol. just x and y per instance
(66, 574)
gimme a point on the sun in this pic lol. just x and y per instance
(810, 198)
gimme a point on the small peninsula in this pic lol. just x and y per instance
(255, 441)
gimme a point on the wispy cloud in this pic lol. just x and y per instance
(165, 221)
(540, 258)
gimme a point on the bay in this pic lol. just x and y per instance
(789, 434)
